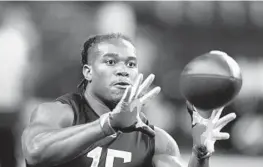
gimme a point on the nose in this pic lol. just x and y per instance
(122, 71)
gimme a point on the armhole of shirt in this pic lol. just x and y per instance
(151, 139)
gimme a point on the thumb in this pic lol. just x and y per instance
(142, 127)
(126, 96)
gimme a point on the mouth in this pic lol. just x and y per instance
(122, 85)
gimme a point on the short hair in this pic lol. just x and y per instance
(95, 40)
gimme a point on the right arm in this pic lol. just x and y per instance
(50, 139)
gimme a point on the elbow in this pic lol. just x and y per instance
(39, 155)
(33, 159)
(33, 154)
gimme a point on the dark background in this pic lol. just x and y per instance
(41, 42)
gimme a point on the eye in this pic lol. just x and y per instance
(111, 62)
(131, 64)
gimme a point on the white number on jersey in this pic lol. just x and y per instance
(111, 153)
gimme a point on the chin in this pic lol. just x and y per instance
(113, 100)
(117, 95)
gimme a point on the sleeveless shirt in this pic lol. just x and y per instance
(133, 149)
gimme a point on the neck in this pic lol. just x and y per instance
(106, 103)
(110, 104)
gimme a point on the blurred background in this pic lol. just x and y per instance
(41, 42)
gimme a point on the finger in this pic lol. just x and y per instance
(216, 114)
(136, 104)
(195, 116)
(150, 95)
(142, 127)
(198, 119)
(126, 96)
(190, 108)
(222, 122)
(219, 113)
(145, 85)
(213, 115)
(221, 136)
(210, 146)
(135, 87)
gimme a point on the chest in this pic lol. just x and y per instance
(126, 150)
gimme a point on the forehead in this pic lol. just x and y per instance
(116, 46)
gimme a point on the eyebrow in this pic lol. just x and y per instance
(114, 55)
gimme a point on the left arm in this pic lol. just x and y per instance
(205, 133)
(167, 153)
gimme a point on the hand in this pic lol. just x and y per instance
(126, 115)
(207, 131)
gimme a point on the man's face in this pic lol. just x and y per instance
(114, 68)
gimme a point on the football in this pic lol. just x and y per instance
(211, 80)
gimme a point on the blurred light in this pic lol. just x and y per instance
(256, 13)
(66, 25)
(170, 12)
(232, 13)
(146, 53)
(116, 17)
(252, 71)
(200, 13)
(247, 134)
(14, 49)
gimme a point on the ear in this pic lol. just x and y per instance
(87, 72)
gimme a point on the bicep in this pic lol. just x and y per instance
(167, 153)
(48, 116)
(165, 144)
(54, 114)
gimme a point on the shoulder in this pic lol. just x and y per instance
(53, 113)
(164, 143)
(48, 116)
(69, 97)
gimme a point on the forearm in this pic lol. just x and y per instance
(195, 162)
(199, 157)
(57, 146)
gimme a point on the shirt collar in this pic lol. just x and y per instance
(96, 105)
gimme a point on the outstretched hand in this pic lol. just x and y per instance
(126, 115)
(207, 131)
